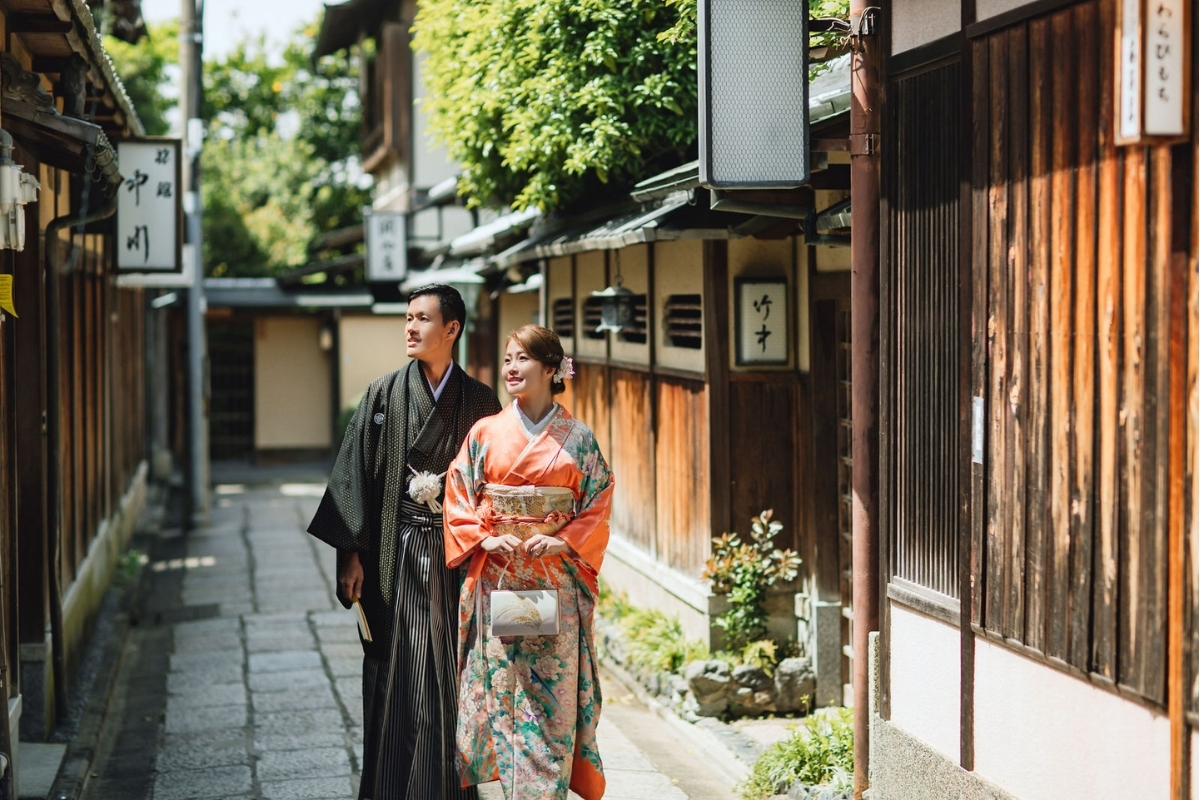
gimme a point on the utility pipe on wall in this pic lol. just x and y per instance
(865, 115)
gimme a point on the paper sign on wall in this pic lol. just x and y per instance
(1152, 74)
(149, 210)
(6, 294)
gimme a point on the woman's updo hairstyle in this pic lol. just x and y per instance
(544, 346)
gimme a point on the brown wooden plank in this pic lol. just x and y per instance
(681, 464)
(998, 569)
(1037, 440)
(1192, 507)
(716, 357)
(824, 486)
(980, 313)
(1061, 264)
(1158, 392)
(1018, 332)
(1108, 380)
(1131, 633)
(631, 456)
(1084, 357)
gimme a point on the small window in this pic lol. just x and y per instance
(591, 318)
(684, 322)
(638, 332)
(563, 316)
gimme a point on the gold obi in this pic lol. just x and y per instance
(527, 510)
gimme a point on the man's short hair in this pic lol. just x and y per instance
(450, 304)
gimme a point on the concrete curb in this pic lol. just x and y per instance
(707, 738)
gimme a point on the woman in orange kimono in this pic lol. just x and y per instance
(527, 505)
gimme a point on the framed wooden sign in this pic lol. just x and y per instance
(1153, 100)
(149, 208)
(762, 321)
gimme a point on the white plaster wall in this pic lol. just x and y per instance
(919, 22)
(678, 269)
(590, 276)
(560, 285)
(369, 346)
(923, 663)
(1044, 735)
(292, 396)
(986, 9)
(633, 261)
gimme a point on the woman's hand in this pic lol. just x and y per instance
(506, 543)
(541, 545)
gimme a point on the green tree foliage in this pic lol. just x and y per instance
(279, 164)
(544, 101)
(145, 68)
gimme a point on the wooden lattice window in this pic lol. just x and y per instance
(591, 318)
(684, 321)
(562, 316)
(638, 332)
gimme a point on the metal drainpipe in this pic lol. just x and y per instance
(55, 268)
(865, 101)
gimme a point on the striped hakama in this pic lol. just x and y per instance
(410, 702)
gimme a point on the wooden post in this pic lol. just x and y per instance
(865, 122)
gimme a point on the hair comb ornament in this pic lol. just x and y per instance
(565, 371)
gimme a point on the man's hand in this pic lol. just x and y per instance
(501, 544)
(349, 577)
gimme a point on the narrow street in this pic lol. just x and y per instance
(241, 677)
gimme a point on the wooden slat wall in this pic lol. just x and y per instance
(681, 470)
(762, 453)
(632, 448)
(921, 272)
(1073, 252)
(589, 402)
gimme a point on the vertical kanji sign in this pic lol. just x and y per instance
(762, 321)
(149, 208)
(387, 245)
(1152, 71)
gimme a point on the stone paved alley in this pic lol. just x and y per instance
(245, 681)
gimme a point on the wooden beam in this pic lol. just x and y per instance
(38, 23)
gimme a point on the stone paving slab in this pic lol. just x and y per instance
(218, 694)
(322, 762)
(203, 783)
(287, 681)
(307, 789)
(287, 661)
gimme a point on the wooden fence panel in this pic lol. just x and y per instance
(683, 522)
(632, 457)
(591, 402)
(762, 454)
(1074, 258)
(1037, 455)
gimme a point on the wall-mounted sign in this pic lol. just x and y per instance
(387, 245)
(1153, 71)
(149, 208)
(753, 93)
(762, 321)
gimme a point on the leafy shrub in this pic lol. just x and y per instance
(819, 752)
(654, 641)
(744, 571)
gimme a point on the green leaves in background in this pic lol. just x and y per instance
(545, 101)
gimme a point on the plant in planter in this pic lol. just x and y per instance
(745, 571)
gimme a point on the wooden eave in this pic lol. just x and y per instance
(51, 31)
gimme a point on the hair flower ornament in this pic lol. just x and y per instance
(565, 371)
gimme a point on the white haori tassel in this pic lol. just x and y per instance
(424, 487)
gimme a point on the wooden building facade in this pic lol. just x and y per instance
(73, 420)
(1038, 416)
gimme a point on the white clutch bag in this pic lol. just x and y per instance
(524, 612)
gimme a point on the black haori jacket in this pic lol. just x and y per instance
(397, 426)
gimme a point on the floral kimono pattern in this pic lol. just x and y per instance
(529, 706)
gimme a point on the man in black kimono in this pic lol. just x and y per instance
(391, 553)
